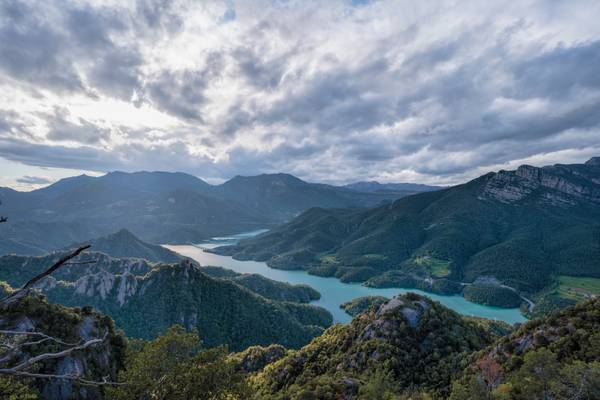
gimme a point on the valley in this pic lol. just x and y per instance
(299, 200)
(333, 292)
(504, 239)
(428, 294)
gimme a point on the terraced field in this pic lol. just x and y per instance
(577, 288)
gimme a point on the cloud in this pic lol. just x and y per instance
(181, 93)
(58, 156)
(345, 90)
(32, 51)
(34, 180)
(67, 48)
(61, 129)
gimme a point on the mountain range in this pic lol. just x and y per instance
(162, 207)
(374, 186)
(508, 231)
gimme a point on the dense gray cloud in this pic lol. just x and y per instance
(61, 129)
(337, 91)
(34, 180)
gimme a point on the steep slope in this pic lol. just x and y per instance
(17, 270)
(268, 288)
(520, 227)
(416, 344)
(556, 357)
(124, 244)
(145, 299)
(70, 325)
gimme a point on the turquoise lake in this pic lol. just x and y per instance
(333, 292)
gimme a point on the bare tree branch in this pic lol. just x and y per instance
(19, 292)
(45, 356)
(20, 369)
(54, 267)
(75, 378)
(39, 334)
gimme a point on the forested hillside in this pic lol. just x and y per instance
(524, 229)
(408, 345)
(145, 299)
(406, 348)
(556, 357)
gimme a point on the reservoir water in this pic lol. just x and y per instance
(333, 292)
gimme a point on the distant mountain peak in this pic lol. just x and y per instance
(375, 186)
(125, 244)
(594, 161)
(279, 176)
(123, 234)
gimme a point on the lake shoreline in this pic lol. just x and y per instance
(333, 291)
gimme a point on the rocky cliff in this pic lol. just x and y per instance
(145, 299)
(558, 185)
(70, 325)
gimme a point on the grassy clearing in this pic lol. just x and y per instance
(436, 267)
(577, 288)
(329, 259)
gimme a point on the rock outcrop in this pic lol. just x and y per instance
(558, 185)
(416, 342)
(33, 313)
(145, 299)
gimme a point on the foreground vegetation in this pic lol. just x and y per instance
(407, 348)
(557, 357)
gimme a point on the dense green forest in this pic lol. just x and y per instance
(492, 295)
(556, 357)
(360, 304)
(406, 348)
(267, 288)
(238, 311)
(522, 228)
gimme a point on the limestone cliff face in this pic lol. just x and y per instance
(34, 314)
(558, 185)
(145, 299)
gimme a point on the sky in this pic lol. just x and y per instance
(434, 92)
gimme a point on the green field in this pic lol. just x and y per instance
(577, 288)
(436, 267)
(329, 259)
